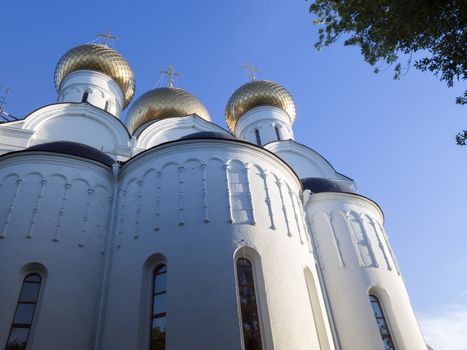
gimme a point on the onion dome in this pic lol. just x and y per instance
(99, 58)
(258, 93)
(73, 148)
(318, 185)
(162, 103)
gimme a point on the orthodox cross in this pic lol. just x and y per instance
(106, 37)
(171, 74)
(3, 97)
(252, 71)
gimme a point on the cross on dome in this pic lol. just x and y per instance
(171, 74)
(252, 70)
(106, 37)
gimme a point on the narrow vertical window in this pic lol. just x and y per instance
(22, 321)
(106, 108)
(382, 324)
(85, 97)
(248, 305)
(278, 134)
(258, 137)
(159, 311)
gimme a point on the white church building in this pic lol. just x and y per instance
(169, 232)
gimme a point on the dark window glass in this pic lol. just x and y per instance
(22, 320)
(248, 306)
(278, 134)
(258, 137)
(159, 308)
(382, 324)
(106, 105)
(85, 97)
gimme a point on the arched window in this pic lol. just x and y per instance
(382, 323)
(258, 137)
(278, 134)
(106, 108)
(22, 321)
(248, 305)
(159, 308)
(85, 97)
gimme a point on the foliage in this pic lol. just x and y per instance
(388, 31)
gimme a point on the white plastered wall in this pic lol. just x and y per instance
(197, 206)
(356, 260)
(54, 212)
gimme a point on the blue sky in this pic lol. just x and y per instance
(395, 138)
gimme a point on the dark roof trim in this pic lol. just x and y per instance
(66, 148)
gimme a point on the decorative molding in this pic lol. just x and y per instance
(229, 203)
(330, 220)
(295, 211)
(36, 208)
(121, 220)
(157, 226)
(380, 243)
(284, 209)
(205, 193)
(353, 218)
(391, 252)
(19, 183)
(61, 212)
(265, 175)
(181, 182)
(250, 195)
(138, 209)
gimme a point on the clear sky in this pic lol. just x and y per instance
(395, 138)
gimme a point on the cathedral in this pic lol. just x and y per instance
(171, 232)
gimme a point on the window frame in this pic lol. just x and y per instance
(153, 316)
(375, 300)
(26, 325)
(257, 301)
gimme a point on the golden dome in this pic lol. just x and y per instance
(99, 58)
(162, 103)
(254, 94)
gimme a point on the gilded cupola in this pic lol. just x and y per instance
(258, 93)
(162, 103)
(100, 58)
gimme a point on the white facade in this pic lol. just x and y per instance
(95, 223)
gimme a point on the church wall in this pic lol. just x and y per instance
(356, 260)
(198, 206)
(54, 212)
